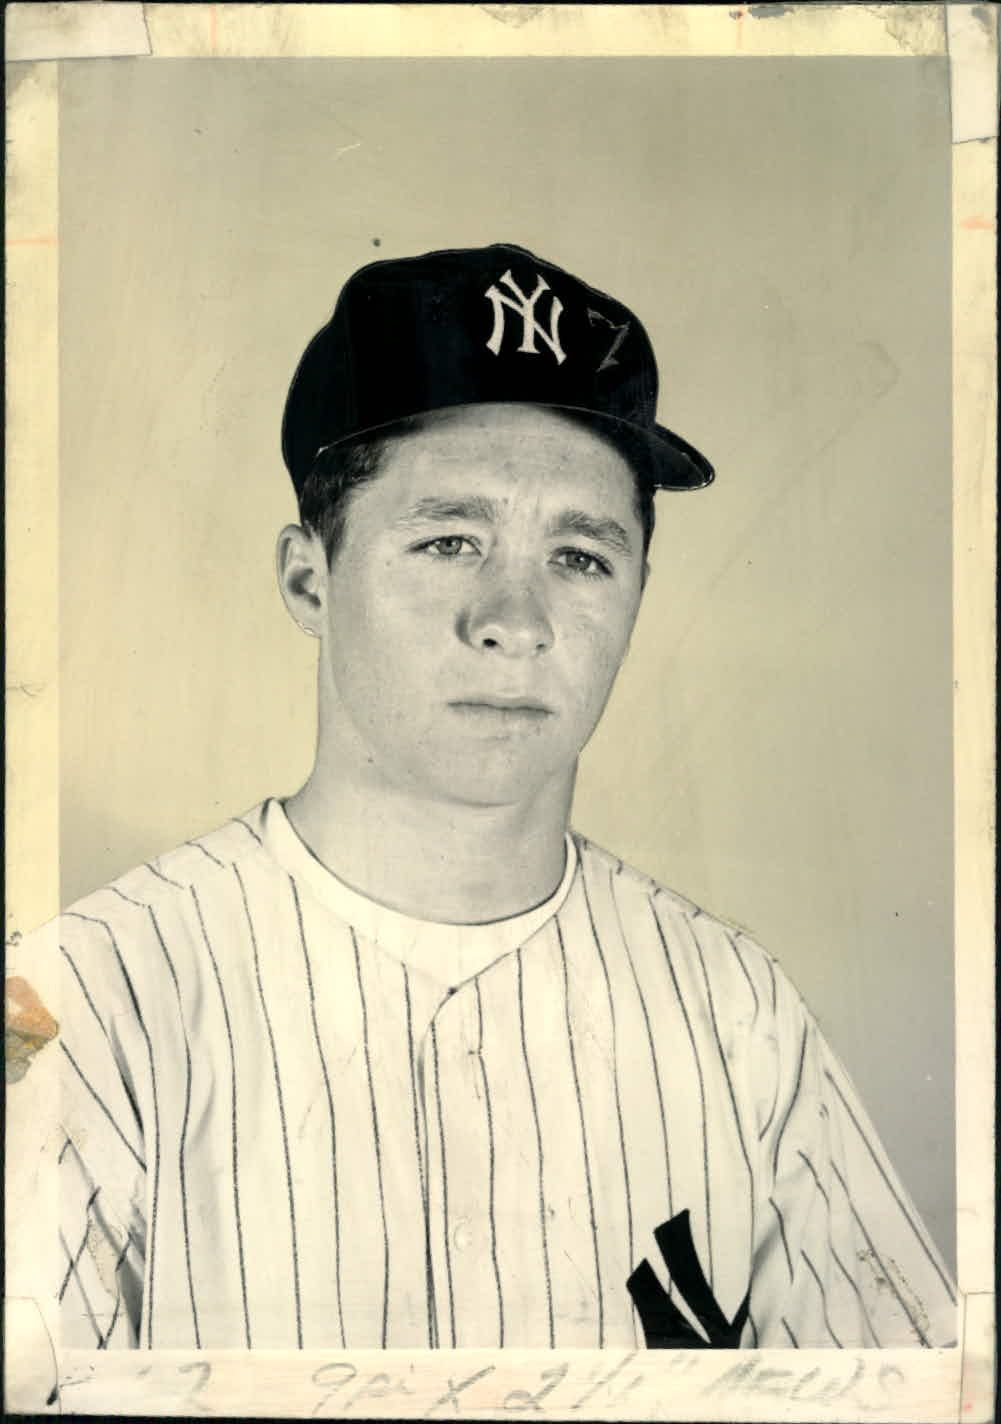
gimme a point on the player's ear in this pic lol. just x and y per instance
(301, 562)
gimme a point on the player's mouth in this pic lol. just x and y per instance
(503, 711)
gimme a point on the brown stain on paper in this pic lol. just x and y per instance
(28, 1027)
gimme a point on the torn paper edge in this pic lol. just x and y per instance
(512, 30)
(92, 29)
(974, 441)
(926, 1384)
(87, 29)
(972, 38)
(32, 707)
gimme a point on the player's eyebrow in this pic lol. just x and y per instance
(602, 530)
(483, 510)
(472, 507)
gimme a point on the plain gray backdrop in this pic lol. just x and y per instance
(778, 747)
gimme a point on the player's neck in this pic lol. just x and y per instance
(435, 861)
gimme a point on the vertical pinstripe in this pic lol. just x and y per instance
(186, 1114)
(197, 845)
(155, 870)
(376, 1139)
(889, 1185)
(232, 1060)
(80, 1286)
(100, 1103)
(493, 1165)
(771, 974)
(615, 1072)
(702, 1086)
(792, 1101)
(151, 1246)
(104, 1032)
(629, 960)
(428, 1274)
(75, 1259)
(823, 1299)
(69, 1262)
(281, 1108)
(538, 1143)
(330, 1106)
(878, 1259)
(102, 1344)
(653, 1051)
(729, 1082)
(732, 942)
(836, 1258)
(763, 1131)
(782, 1233)
(444, 1186)
(583, 1138)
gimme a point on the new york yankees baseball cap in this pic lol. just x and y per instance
(466, 326)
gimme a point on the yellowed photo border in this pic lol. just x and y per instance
(829, 1385)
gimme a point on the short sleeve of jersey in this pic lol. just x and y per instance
(842, 1258)
(102, 1157)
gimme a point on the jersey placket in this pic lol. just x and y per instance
(458, 1176)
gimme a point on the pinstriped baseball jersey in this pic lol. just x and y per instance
(294, 1118)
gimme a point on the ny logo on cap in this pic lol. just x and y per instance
(525, 307)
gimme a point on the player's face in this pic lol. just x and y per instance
(480, 604)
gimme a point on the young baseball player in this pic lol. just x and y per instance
(400, 1060)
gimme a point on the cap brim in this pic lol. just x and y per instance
(674, 464)
(670, 463)
(688, 467)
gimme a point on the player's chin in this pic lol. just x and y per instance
(500, 774)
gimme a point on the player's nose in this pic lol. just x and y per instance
(509, 617)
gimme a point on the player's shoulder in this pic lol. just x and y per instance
(657, 919)
(237, 843)
(178, 915)
(132, 907)
(629, 881)
(634, 885)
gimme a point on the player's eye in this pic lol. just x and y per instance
(447, 546)
(581, 561)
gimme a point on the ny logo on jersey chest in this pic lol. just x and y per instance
(664, 1325)
(524, 305)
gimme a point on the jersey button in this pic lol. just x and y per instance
(462, 1235)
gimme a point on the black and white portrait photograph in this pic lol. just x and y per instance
(488, 760)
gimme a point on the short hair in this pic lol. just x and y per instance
(340, 469)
